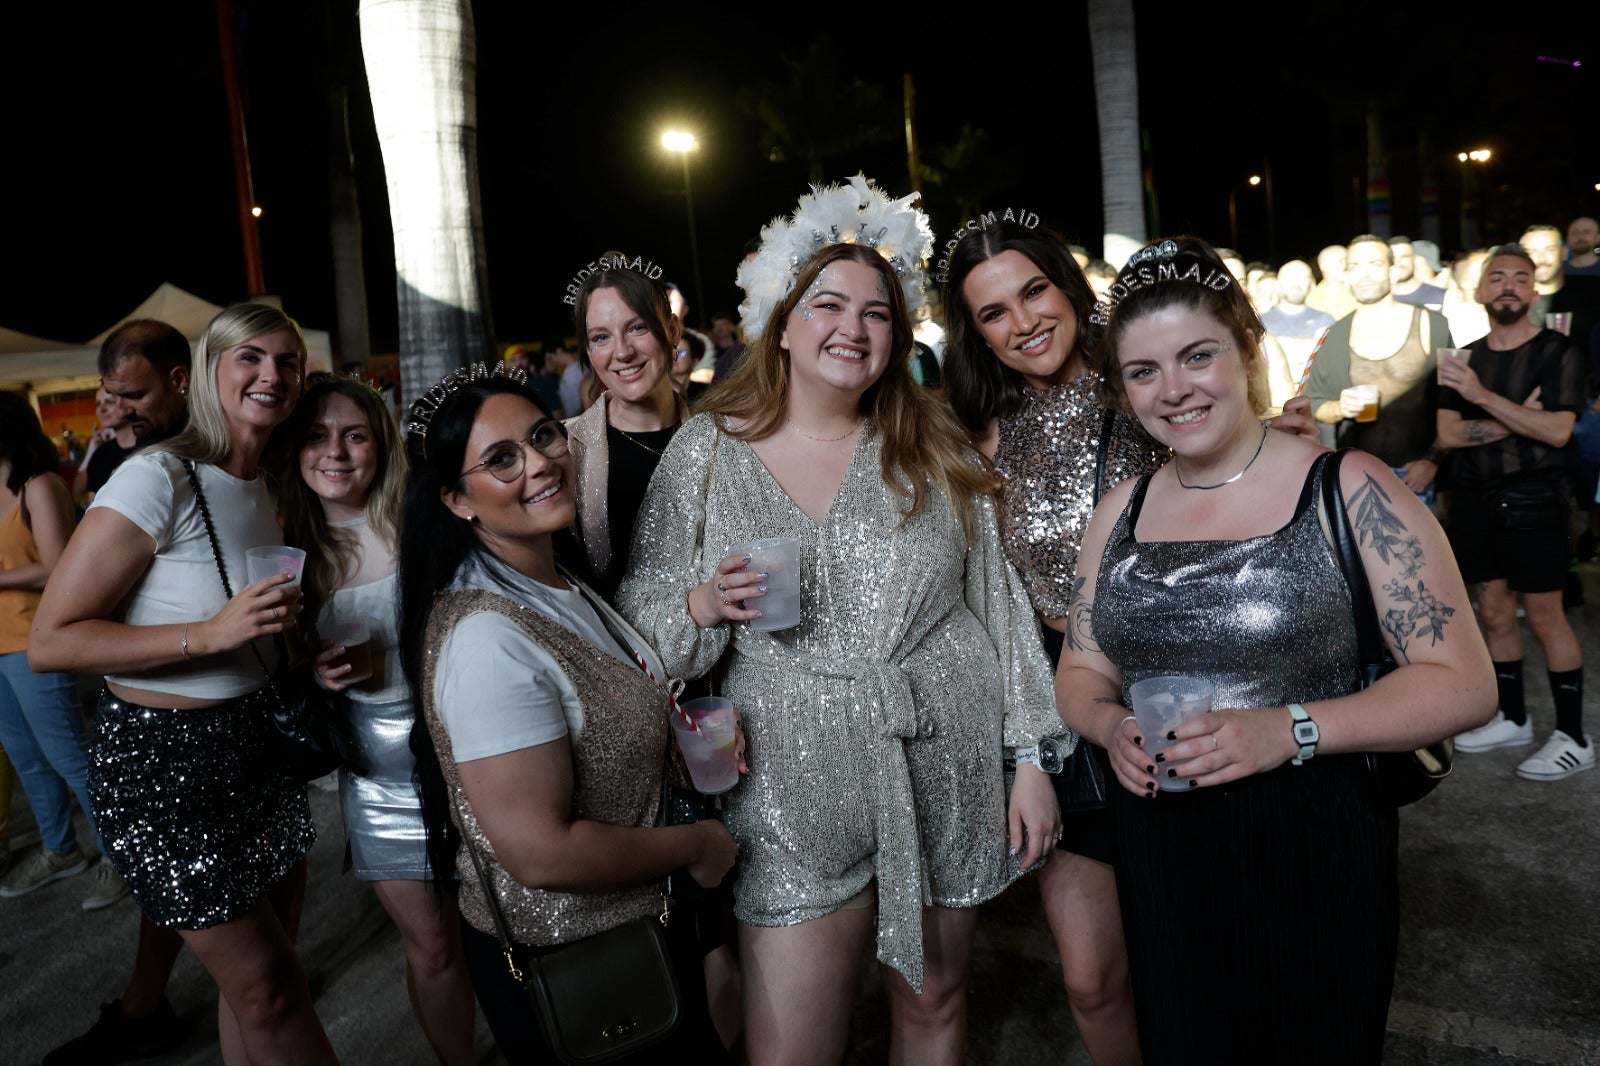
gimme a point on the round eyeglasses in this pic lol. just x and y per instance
(507, 459)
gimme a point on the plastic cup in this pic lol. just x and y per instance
(1368, 396)
(356, 636)
(709, 749)
(269, 559)
(1164, 703)
(1560, 321)
(779, 558)
(1461, 355)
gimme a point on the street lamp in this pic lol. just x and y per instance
(1469, 205)
(1233, 211)
(683, 142)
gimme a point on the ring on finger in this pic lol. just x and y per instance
(724, 601)
(1215, 743)
(722, 588)
(277, 612)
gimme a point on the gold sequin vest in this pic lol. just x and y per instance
(618, 761)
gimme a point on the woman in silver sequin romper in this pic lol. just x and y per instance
(341, 503)
(876, 725)
(1016, 369)
(1257, 860)
(206, 826)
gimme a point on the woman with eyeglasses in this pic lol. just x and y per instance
(340, 501)
(543, 738)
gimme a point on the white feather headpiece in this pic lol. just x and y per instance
(854, 213)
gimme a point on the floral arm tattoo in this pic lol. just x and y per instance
(1080, 620)
(1418, 612)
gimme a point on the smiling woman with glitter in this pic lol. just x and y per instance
(206, 825)
(877, 723)
(1257, 856)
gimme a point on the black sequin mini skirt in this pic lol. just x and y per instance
(195, 812)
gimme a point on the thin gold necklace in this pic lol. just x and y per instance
(639, 442)
(1176, 469)
(823, 440)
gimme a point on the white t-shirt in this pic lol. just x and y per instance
(152, 491)
(496, 690)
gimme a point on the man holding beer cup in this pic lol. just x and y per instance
(1372, 386)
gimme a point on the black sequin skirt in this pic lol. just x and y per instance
(196, 813)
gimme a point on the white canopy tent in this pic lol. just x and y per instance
(45, 366)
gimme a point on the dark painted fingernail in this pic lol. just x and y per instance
(1139, 741)
(1162, 757)
(1193, 783)
(1149, 786)
(1172, 772)
(747, 558)
(1171, 735)
(1149, 769)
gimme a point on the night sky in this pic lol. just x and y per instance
(120, 176)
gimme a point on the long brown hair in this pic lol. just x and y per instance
(924, 445)
(329, 555)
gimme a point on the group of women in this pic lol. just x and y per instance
(1084, 494)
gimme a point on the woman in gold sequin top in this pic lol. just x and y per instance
(1017, 371)
(543, 731)
(876, 725)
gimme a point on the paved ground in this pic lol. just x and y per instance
(1499, 951)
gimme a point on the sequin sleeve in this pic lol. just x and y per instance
(995, 593)
(668, 555)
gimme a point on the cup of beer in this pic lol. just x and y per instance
(1367, 396)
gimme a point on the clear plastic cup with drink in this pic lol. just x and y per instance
(269, 559)
(1367, 396)
(1441, 355)
(353, 632)
(710, 745)
(1162, 704)
(779, 559)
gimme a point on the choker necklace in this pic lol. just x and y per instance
(639, 442)
(1176, 470)
(824, 440)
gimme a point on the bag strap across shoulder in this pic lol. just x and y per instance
(1369, 644)
(222, 569)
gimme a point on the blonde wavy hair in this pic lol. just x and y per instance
(205, 439)
(924, 446)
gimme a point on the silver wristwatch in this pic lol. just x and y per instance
(1046, 756)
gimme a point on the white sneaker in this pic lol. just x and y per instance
(1501, 732)
(1560, 757)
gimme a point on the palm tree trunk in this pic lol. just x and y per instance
(354, 341)
(1116, 94)
(421, 58)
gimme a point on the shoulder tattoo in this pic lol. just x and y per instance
(1080, 619)
(1415, 610)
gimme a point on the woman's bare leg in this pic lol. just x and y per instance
(1080, 903)
(800, 987)
(436, 972)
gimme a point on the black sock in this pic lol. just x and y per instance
(1509, 678)
(1566, 686)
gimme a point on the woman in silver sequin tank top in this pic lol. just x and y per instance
(1257, 857)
